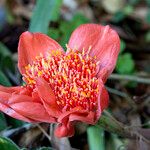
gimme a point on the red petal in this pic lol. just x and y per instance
(9, 111)
(90, 118)
(64, 130)
(4, 97)
(104, 42)
(22, 106)
(32, 110)
(103, 99)
(16, 89)
(66, 114)
(31, 45)
(48, 97)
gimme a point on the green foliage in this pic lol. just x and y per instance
(56, 10)
(3, 124)
(7, 144)
(114, 143)
(44, 12)
(128, 9)
(96, 138)
(63, 32)
(125, 64)
(4, 51)
(54, 33)
(14, 123)
(134, 2)
(6, 63)
(122, 46)
(4, 80)
(148, 17)
(118, 16)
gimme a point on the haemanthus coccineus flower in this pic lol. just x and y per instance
(63, 87)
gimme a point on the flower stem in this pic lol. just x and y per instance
(110, 124)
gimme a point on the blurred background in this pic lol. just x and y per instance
(128, 86)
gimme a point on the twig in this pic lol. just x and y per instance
(116, 92)
(130, 78)
(44, 132)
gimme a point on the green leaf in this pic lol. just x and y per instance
(4, 51)
(148, 17)
(66, 28)
(4, 80)
(7, 63)
(54, 33)
(125, 64)
(122, 46)
(118, 17)
(42, 15)
(6, 58)
(3, 124)
(96, 138)
(114, 143)
(128, 10)
(14, 123)
(7, 144)
(56, 10)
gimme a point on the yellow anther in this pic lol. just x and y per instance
(95, 57)
(83, 94)
(40, 73)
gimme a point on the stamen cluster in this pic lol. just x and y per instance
(71, 77)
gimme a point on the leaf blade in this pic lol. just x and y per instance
(42, 15)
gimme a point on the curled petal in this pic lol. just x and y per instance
(65, 115)
(88, 118)
(21, 106)
(64, 130)
(47, 97)
(9, 111)
(104, 42)
(32, 45)
(32, 110)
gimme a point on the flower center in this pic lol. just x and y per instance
(71, 77)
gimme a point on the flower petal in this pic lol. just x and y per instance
(66, 114)
(16, 89)
(32, 110)
(64, 130)
(32, 45)
(9, 111)
(88, 118)
(104, 42)
(5, 95)
(22, 106)
(103, 99)
(48, 97)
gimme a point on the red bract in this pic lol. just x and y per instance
(63, 87)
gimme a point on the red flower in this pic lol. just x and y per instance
(63, 87)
